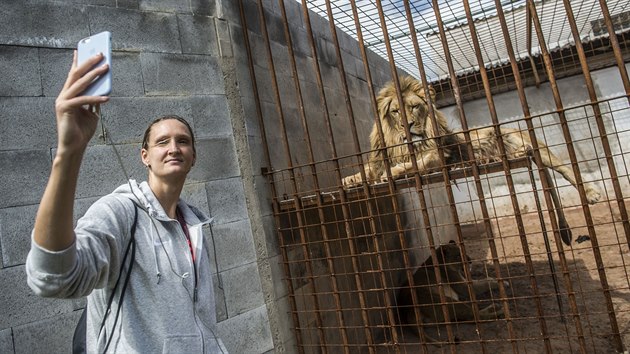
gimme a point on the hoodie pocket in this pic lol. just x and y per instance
(182, 345)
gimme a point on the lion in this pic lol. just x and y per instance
(428, 139)
(454, 285)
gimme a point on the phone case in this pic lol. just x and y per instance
(90, 46)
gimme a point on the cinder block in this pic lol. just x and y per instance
(264, 84)
(126, 75)
(55, 64)
(127, 118)
(6, 341)
(227, 9)
(219, 299)
(101, 172)
(52, 335)
(234, 243)
(285, 320)
(294, 13)
(16, 225)
(205, 7)
(252, 17)
(280, 289)
(54, 25)
(275, 28)
(248, 332)
(166, 74)
(271, 235)
(227, 200)
(195, 194)
(20, 71)
(252, 121)
(211, 116)
(19, 305)
(24, 177)
(216, 159)
(27, 123)
(136, 30)
(198, 35)
(243, 291)
(126, 72)
(128, 4)
(223, 36)
(174, 6)
(257, 154)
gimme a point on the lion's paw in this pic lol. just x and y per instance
(351, 181)
(593, 194)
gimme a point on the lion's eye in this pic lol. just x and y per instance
(394, 111)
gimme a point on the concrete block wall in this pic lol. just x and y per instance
(169, 57)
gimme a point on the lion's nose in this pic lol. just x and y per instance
(410, 124)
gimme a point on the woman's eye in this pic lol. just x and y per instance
(162, 142)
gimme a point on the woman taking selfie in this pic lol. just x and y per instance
(137, 253)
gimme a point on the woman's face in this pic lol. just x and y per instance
(169, 153)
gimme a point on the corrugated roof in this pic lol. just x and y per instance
(551, 13)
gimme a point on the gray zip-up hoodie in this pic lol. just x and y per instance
(169, 303)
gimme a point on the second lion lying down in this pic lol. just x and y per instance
(426, 142)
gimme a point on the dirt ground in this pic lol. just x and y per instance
(575, 303)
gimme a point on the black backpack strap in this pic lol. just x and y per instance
(79, 337)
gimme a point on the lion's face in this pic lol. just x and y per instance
(415, 107)
(416, 113)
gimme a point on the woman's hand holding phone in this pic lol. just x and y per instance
(76, 116)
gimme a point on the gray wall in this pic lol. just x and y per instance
(180, 57)
(582, 126)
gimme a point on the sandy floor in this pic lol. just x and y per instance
(578, 303)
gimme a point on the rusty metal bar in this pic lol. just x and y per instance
(616, 49)
(341, 192)
(541, 219)
(320, 210)
(528, 20)
(609, 159)
(475, 170)
(427, 222)
(390, 182)
(276, 211)
(371, 213)
(585, 208)
(299, 211)
(595, 106)
(525, 107)
(495, 121)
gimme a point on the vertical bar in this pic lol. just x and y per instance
(298, 207)
(525, 107)
(342, 193)
(418, 182)
(390, 182)
(320, 209)
(598, 115)
(615, 45)
(607, 151)
(276, 212)
(506, 167)
(412, 31)
(366, 189)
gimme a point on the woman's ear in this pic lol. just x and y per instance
(143, 157)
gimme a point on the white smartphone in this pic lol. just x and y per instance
(90, 46)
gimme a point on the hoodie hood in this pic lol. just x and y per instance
(144, 198)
